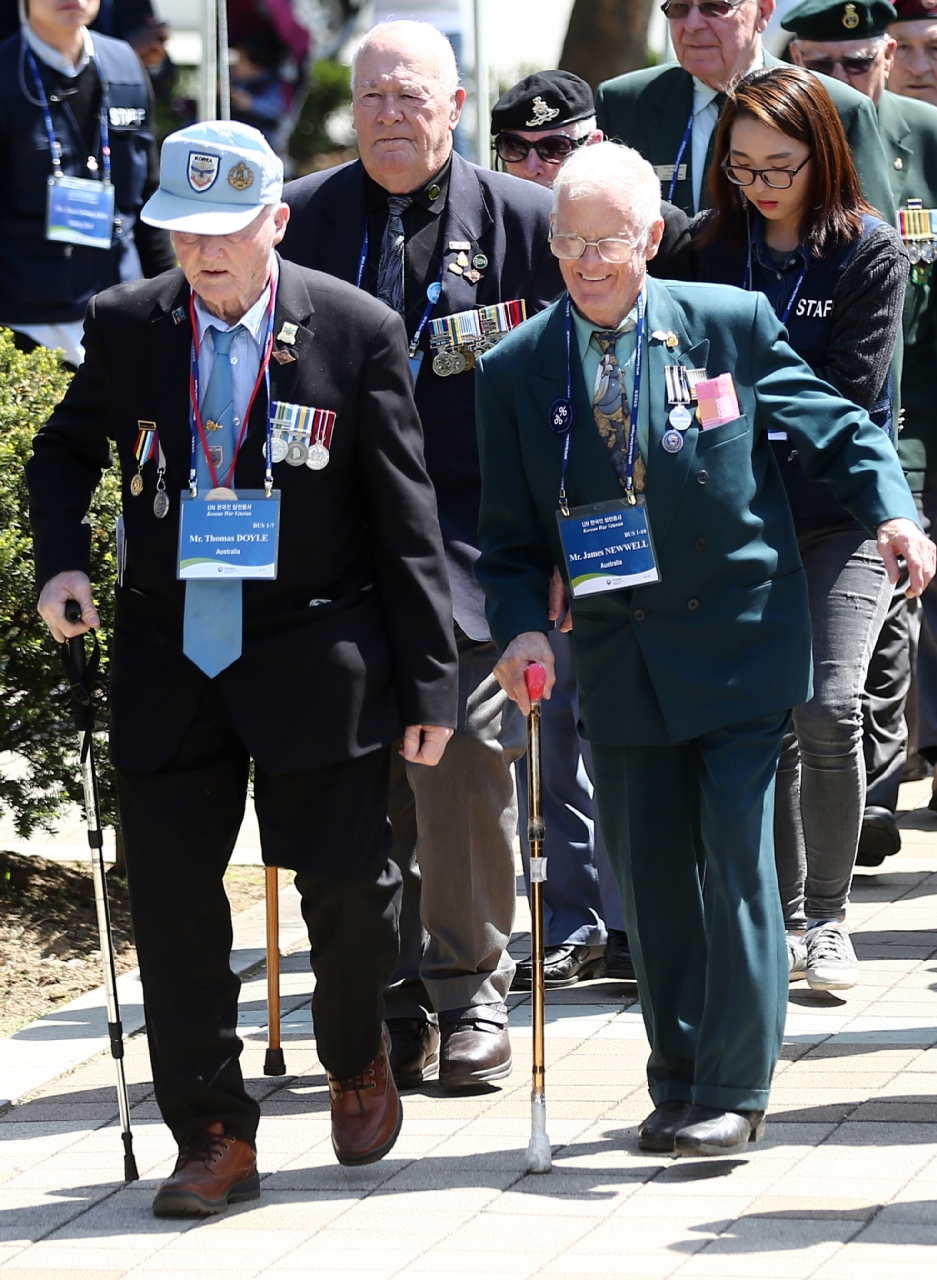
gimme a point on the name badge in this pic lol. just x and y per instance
(608, 547)
(665, 172)
(229, 537)
(80, 211)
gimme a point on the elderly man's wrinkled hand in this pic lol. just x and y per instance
(424, 743)
(901, 537)
(72, 585)
(528, 647)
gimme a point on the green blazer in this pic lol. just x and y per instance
(908, 130)
(724, 637)
(649, 111)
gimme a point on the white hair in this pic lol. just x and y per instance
(421, 34)
(608, 168)
(579, 128)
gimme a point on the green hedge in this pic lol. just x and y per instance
(34, 703)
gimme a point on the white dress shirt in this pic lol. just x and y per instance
(705, 119)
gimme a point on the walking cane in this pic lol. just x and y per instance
(274, 1064)
(539, 1156)
(81, 676)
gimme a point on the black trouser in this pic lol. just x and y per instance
(179, 825)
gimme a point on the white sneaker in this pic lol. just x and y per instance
(796, 956)
(831, 959)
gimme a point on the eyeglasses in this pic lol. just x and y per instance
(611, 249)
(512, 149)
(853, 64)
(677, 10)
(742, 176)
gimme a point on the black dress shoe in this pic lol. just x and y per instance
(618, 962)
(475, 1048)
(562, 967)
(414, 1050)
(708, 1132)
(657, 1132)
(879, 836)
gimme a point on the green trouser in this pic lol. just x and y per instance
(710, 958)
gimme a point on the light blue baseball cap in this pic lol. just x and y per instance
(214, 178)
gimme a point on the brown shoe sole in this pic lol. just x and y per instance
(187, 1204)
(377, 1153)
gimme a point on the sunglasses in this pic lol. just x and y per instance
(852, 63)
(512, 149)
(677, 10)
(780, 179)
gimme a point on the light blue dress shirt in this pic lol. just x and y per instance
(247, 350)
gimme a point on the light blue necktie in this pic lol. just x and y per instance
(212, 624)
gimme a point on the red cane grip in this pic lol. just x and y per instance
(536, 678)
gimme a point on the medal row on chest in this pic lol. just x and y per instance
(918, 229)
(458, 340)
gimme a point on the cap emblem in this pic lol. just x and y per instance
(240, 177)
(850, 17)
(543, 114)
(202, 170)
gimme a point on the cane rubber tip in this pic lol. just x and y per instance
(536, 678)
(539, 1158)
(274, 1063)
(130, 1169)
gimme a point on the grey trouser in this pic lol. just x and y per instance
(454, 828)
(820, 791)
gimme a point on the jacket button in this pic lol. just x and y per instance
(703, 477)
(639, 615)
(700, 544)
(692, 604)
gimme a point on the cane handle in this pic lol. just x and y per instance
(536, 678)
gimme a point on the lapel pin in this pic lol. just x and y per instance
(479, 262)
(472, 276)
(671, 339)
(434, 191)
(284, 357)
(455, 246)
(287, 333)
(462, 260)
(659, 336)
(178, 315)
(455, 268)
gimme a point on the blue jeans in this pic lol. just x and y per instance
(820, 792)
(581, 895)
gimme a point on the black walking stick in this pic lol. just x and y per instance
(539, 1156)
(81, 675)
(274, 1064)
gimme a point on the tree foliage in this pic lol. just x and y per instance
(605, 38)
(41, 774)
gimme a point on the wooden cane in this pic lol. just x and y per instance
(539, 1156)
(274, 1064)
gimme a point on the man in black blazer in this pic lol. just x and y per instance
(346, 650)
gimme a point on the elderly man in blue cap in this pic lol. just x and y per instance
(282, 600)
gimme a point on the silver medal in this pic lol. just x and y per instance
(672, 441)
(318, 456)
(279, 449)
(161, 504)
(680, 417)
(458, 362)
(296, 454)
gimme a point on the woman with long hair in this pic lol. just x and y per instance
(789, 220)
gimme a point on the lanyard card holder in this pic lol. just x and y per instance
(608, 547)
(229, 537)
(80, 211)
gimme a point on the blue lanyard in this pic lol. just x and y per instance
(747, 285)
(568, 418)
(683, 145)
(55, 147)
(432, 294)
(196, 400)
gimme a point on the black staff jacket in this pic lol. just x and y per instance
(353, 640)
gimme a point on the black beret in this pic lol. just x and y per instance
(839, 19)
(545, 100)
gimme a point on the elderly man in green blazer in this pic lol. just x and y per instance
(669, 113)
(691, 635)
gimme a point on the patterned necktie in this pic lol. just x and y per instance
(611, 410)
(390, 266)
(212, 623)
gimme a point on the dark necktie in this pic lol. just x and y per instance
(612, 412)
(390, 266)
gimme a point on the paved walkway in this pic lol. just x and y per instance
(843, 1188)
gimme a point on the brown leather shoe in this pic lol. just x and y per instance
(213, 1170)
(475, 1049)
(366, 1111)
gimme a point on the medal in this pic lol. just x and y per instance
(142, 451)
(161, 504)
(457, 362)
(279, 449)
(296, 454)
(672, 441)
(221, 492)
(136, 485)
(318, 457)
(680, 417)
(442, 364)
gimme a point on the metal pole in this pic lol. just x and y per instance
(224, 66)
(482, 103)
(539, 1156)
(274, 1064)
(208, 74)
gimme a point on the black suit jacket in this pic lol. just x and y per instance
(316, 683)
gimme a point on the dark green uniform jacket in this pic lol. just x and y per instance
(724, 637)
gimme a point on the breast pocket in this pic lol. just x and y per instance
(723, 434)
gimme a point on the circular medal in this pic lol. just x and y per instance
(161, 504)
(562, 416)
(136, 485)
(469, 358)
(457, 362)
(672, 441)
(318, 456)
(278, 449)
(442, 364)
(296, 454)
(680, 417)
(433, 291)
(221, 492)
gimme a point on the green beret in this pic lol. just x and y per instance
(839, 19)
